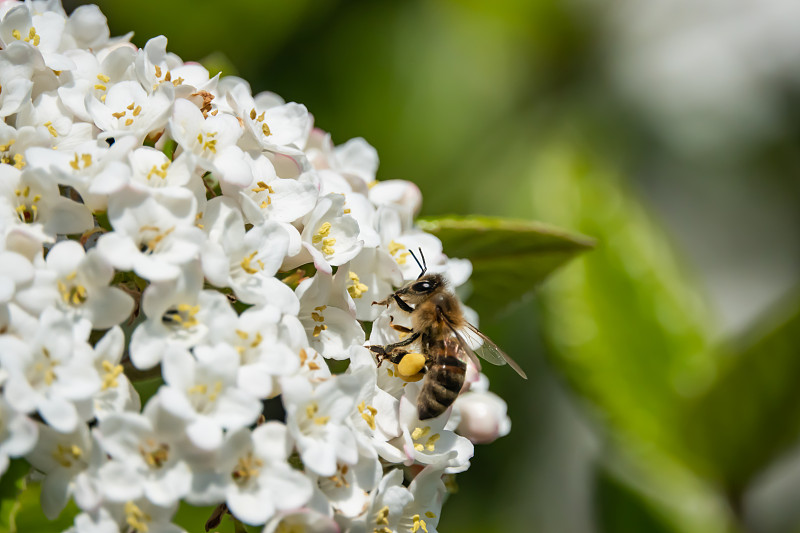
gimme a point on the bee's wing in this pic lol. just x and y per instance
(484, 347)
(470, 336)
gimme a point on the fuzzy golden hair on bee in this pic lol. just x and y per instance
(443, 337)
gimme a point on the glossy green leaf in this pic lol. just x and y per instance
(752, 413)
(509, 257)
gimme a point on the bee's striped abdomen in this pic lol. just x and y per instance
(443, 380)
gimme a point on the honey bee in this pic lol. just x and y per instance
(443, 336)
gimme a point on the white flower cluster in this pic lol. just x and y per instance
(146, 209)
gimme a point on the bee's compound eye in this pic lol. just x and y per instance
(422, 286)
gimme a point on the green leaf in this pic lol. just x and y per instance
(29, 515)
(620, 508)
(509, 257)
(752, 413)
(626, 325)
(11, 485)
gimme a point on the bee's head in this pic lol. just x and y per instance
(422, 288)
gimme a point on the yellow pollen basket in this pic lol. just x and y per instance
(410, 365)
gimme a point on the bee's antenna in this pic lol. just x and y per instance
(422, 266)
(424, 262)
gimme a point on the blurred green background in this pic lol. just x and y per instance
(663, 394)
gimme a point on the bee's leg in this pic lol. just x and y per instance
(401, 329)
(400, 302)
(394, 355)
(391, 350)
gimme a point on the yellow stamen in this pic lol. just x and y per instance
(357, 289)
(112, 372)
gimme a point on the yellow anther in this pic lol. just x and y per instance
(253, 114)
(418, 524)
(157, 456)
(265, 130)
(246, 263)
(430, 444)
(199, 388)
(51, 128)
(382, 516)
(311, 409)
(242, 334)
(430, 514)
(356, 289)
(321, 420)
(103, 78)
(137, 110)
(112, 372)
(368, 414)
(130, 106)
(136, 519)
(128, 122)
(247, 467)
(158, 71)
(319, 329)
(215, 393)
(16, 34)
(396, 251)
(118, 114)
(327, 246)
(347, 211)
(419, 433)
(323, 231)
(100, 87)
(160, 172)
(67, 455)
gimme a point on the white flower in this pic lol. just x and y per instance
(128, 109)
(255, 476)
(202, 390)
(327, 317)
(272, 124)
(18, 434)
(29, 200)
(61, 456)
(265, 353)
(50, 372)
(41, 30)
(330, 237)
(178, 314)
(245, 261)
(17, 64)
(152, 235)
(428, 442)
(146, 459)
(76, 282)
(116, 392)
(212, 140)
(315, 417)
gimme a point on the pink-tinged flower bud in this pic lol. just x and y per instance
(483, 417)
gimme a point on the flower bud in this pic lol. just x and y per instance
(483, 417)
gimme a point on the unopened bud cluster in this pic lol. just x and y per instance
(159, 221)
